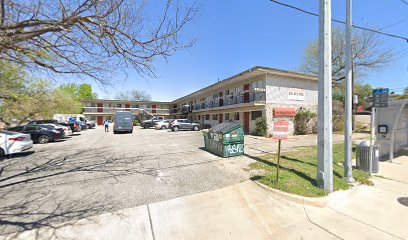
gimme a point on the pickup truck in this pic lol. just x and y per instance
(75, 127)
(151, 122)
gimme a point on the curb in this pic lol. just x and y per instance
(332, 198)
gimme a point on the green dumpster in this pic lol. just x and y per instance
(225, 139)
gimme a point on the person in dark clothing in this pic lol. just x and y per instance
(106, 124)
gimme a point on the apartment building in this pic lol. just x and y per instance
(100, 110)
(257, 92)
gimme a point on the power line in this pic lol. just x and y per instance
(395, 23)
(338, 21)
(404, 2)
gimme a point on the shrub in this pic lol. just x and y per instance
(305, 121)
(136, 122)
(338, 116)
(261, 126)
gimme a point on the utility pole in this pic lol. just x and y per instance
(348, 170)
(324, 138)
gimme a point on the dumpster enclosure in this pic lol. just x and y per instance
(225, 139)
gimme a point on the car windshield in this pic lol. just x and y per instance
(9, 132)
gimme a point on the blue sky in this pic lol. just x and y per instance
(233, 36)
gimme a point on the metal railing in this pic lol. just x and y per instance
(252, 97)
(132, 110)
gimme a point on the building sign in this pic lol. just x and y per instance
(284, 112)
(380, 97)
(280, 129)
(296, 94)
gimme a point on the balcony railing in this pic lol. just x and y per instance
(252, 97)
(132, 110)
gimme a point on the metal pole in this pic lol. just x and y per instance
(324, 138)
(277, 166)
(348, 168)
(371, 138)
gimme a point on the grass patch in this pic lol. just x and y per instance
(298, 170)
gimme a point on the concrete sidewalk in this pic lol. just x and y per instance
(247, 211)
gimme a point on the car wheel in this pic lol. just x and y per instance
(114, 132)
(146, 126)
(163, 127)
(175, 128)
(2, 153)
(195, 128)
(44, 139)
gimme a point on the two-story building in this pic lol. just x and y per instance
(243, 98)
(101, 109)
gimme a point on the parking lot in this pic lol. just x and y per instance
(94, 172)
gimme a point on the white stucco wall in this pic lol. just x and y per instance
(277, 97)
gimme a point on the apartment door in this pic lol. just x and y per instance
(100, 107)
(246, 93)
(127, 106)
(153, 108)
(220, 118)
(99, 120)
(246, 122)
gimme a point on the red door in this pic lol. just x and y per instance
(221, 118)
(246, 122)
(127, 106)
(99, 120)
(153, 108)
(246, 93)
(100, 107)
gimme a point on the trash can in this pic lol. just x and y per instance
(363, 157)
(225, 139)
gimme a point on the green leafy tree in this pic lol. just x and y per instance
(27, 98)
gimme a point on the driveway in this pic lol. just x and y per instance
(97, 172)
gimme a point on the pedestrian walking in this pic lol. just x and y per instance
(106, 124)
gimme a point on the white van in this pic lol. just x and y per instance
(76, 117)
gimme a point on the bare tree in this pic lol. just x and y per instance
(133, 95)
(91, 37)
(368, 54)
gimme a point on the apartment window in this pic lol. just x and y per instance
(227, 116)
(207, 117)
(93, 118)
(92, 104)
(236, 116)
(118, 105)
(256, 114)
(214, 116)
(133, 106)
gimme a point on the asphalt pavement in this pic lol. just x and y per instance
(97, 172)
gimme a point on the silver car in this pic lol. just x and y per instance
(163, 124)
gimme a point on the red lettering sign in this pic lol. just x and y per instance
(284, 112)
(280, 129)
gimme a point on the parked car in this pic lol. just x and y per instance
(122, 122)
(39, 133)
(151, 122)
(184, 124)
(66, 129)
(14, 142)
(163, 124)
(75, 127)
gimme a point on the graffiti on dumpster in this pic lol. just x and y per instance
(234, 148)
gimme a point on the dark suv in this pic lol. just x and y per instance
(184, 124)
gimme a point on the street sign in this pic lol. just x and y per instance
(280, 129)
(380, 97)
(284, 112)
